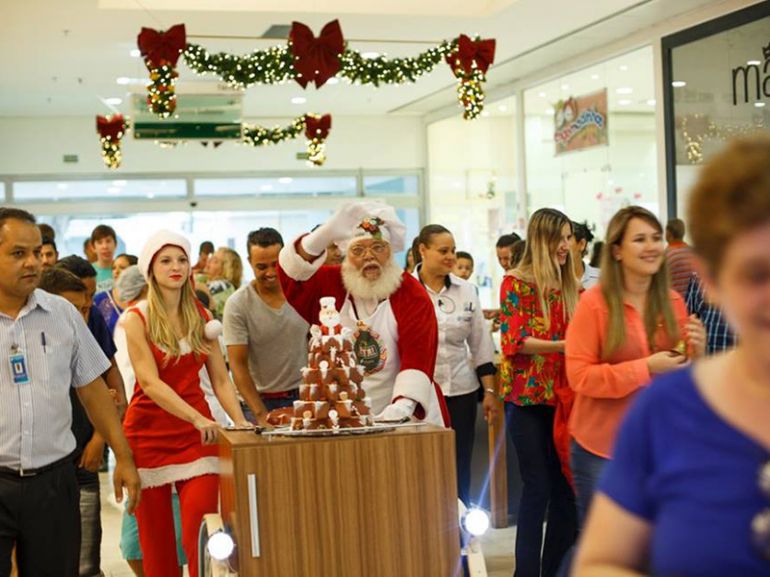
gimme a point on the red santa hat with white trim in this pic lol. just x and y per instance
(156, 242)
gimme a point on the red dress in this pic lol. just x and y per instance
(166, 448)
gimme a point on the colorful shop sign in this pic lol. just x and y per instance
(580, 122)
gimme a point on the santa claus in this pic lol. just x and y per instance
(390, 314)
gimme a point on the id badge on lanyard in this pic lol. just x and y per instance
(19, 373)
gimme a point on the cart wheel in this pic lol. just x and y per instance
(208, 566)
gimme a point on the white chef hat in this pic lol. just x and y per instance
(156, 242)
(328, 303)
(381, 223)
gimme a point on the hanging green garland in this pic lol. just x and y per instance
(316, 129)
(309, 59)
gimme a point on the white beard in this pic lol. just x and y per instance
(362, 288)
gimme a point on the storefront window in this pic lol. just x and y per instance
(717, 80)
(590, 140)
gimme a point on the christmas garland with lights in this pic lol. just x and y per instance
(316, 129)
(111, 129)
(306, 58)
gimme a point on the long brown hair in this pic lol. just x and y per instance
(612, 283)
(539, 266)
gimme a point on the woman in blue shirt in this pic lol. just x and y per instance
(688, 492)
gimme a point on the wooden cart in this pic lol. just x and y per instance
(375, 505)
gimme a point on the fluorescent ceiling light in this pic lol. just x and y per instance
(485, 113)
(119, 183)
(285, 180)
(624, 102)
(541, 94)
(298, 100)
(651, 102)
(502, 108)
(62, 186)
(623, 67)
(759, 104)
(113, 189)
(565, 86)
(135, 53)
(123, 80)
(678, 83)
(594, 77)
(624, 90)
(333, 80)
(113, 101)
(753, 63)
(370, 55)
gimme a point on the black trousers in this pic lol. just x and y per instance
(462, 412)
(546, 495)
(41, 515)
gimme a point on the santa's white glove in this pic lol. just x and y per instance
(401, 410)
(338, 228)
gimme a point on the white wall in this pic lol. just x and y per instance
(31, 146)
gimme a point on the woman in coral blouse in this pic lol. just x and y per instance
(627, 328)
(537, 300)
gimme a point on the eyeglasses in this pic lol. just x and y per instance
(359, 250)
(760, 525)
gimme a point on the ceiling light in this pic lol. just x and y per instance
(285, 180)
(119, 183)
(266, 187)
(502, 108)
(485, 113)
(542, 94)
(298, 100)
(759, 104)
(150, 195)
(370, 55)
(624, 90)
(753, 63)
(678, 83)
(651, 102)
(113, 189)
(624, 102)
(594, 77)
(333, 80)
(62, 186)
(113, 101)
(123, 80)
(623, 67)
(135, 53)
(565, 86)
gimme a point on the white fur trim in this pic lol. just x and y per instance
(414, 385)
(212, 329)
(156, 242)
(180, 472)
(297, 267)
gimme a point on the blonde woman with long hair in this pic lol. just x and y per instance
(537, 300)
(224, 273)
(626, 329)
(168, 423)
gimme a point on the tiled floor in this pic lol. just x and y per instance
(497, 544)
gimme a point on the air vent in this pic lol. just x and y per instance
(277, 32)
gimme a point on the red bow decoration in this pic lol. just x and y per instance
(316, 59)
(317, 126)
(468, 51)
(110, 126)
(159, 48)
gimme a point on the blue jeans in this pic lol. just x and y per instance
(586, 470)
(271, 404)
(545, 491)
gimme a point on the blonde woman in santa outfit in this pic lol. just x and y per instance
(168, 423)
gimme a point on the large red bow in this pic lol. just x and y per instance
(317, 126)
(316, 59)
(110, 126)
(162, 47)
(468, 51)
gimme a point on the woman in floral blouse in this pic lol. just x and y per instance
(537, 300)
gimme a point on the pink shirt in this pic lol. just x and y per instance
(605, 388)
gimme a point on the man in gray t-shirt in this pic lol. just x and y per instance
(266, 338)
